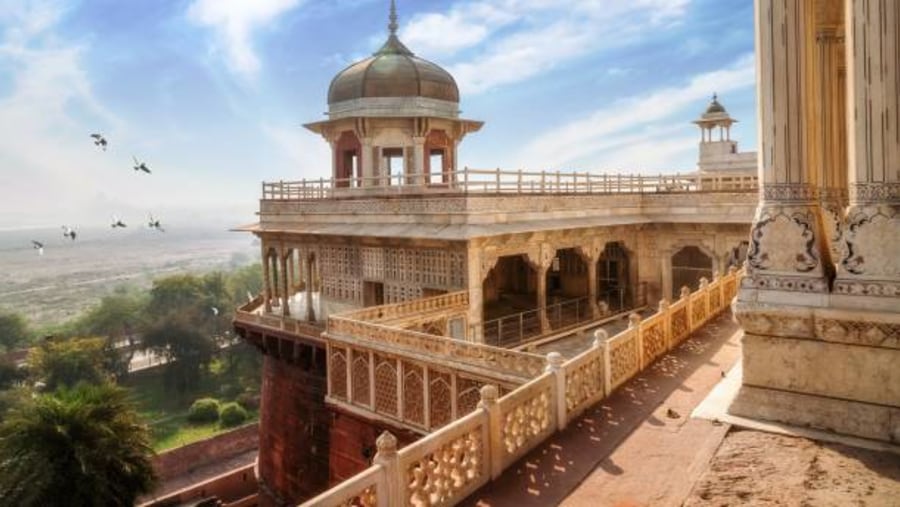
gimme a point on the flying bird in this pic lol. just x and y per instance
(37, 245)
(154, 224)
(117, 222)
(215, 311)
(140, 166)
(69, 232)
(99, 140)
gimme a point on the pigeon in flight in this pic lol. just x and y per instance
(140, 166)
(99, 140)
(69, 232)
(154, 224)
(37, 245)
(116, 222)
(215, 311)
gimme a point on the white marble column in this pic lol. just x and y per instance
(367, 162)
(267, 279)
(310, 313)
(788, 258)
(871, 263)
(285, 293)
(418, 154)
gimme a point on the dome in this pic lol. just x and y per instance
(715, 107)
(393, 71)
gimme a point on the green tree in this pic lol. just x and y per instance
(187, 349)
(14, 331)
(175, 295)
(64, 363)
(245, 280)
(83, 446)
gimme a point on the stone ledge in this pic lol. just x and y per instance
(877, 422)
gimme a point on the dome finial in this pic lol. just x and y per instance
(393, 17)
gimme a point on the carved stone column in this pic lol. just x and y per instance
(788, 257)
(285, 285)
(541, 259)
(310, 313)
(267, 279)
(419, 176)
(871, 263)
(367, 162)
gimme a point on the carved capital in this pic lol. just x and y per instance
(789, 193)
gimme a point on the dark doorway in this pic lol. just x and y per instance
(373, 294)
(689, 265)
(613, 277)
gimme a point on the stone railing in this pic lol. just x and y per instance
(508, 362)
(416, 393)
(250, 314)
(496, 181)
(403, 311)
(446, 466)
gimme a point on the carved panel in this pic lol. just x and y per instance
(359, 377)
(438, 477)
(680, 325)
(654, 340)
(526, 421)
(468, 395)
(584, 382)
(624, 359)
(440, 398)
(413, 393)
(337, 371)
(385, 384)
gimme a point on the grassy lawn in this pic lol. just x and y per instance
(166, 412)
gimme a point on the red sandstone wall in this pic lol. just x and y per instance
(353, 445)
(182, 460)
(293, 458)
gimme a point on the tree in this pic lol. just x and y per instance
(187, 349)
(14, 331)
(245, 280)
(83, 446)
(61, 363)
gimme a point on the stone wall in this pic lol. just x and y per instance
(182, 460)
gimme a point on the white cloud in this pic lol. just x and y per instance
(235, 22)
(306, 151)
(500, 42)
(632, 122)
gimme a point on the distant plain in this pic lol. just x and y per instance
(71, 276)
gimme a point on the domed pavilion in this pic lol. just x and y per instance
(393, 120)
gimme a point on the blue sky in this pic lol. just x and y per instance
(212, 93)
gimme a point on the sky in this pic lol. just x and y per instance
(212, 94)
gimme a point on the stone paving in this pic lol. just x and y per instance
(627, 450)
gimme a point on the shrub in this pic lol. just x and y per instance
(232, 414)
(229, 391)
(249, 400)
(204, 410)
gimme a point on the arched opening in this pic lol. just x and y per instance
(510, 301)
(613, 277)
(437, 160)
(347, 163)
(567, 289)
(394, 164)
(689, 265)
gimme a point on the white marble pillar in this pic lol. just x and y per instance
(285, 294)
(871, 263)
(267, 279)
(367, 162)
(788, 258)
(310, 313)
(418, 155)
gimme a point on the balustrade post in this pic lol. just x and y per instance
(634, 324)
(543, 180)
(466, 179)
(667, 322)
(704, 291)
(494, 445)
(685, 294)
(607, 366)
(555, 362)
(599, 344)
(390, 479)
(498, 180)
(519, 182)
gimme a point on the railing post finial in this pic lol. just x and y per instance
(633, 320)
(555, 361)
(685, 292)
(386, 445)
(489, 395)
(600, 337)
(663, 305)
